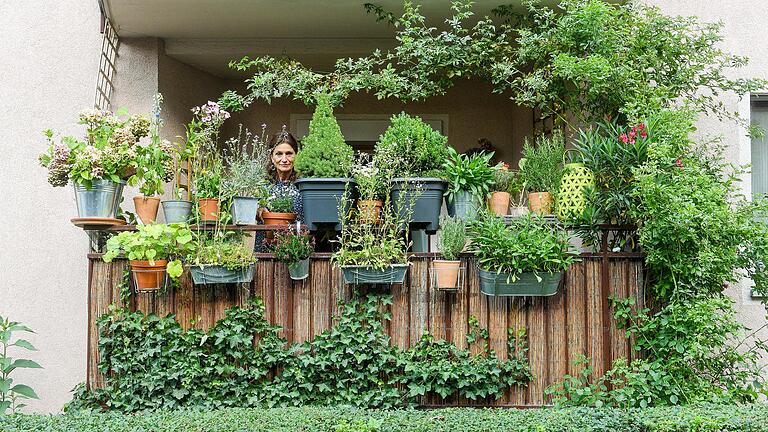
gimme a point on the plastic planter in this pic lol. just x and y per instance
(177, 211)
(427, 204)
(244, 210)
(321, 197)
(299, 270)
(217, 274)
(464, 205)
(495, 284)
(358, 275)
(101, 200)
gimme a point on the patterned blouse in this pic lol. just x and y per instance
(280, 188)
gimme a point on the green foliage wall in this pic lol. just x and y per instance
(151, 362)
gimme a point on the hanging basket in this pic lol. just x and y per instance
(359, 275)
(498, 284)
(571, 198)
(299, 270)
(218, 274)
(149, 277)
(447, 275)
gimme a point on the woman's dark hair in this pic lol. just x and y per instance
(282, 137)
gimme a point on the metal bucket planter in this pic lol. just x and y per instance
(217, 274)
(495, 284)
(299, 270)
(358, 275)
(427, 205)
(321, 198)
(101, 200)
(464, 205)
(177, 211)
(244, 210)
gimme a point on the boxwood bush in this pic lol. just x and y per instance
(749, 418)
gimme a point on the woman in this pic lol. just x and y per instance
(282, 150)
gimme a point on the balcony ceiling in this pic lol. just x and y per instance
(207, 34)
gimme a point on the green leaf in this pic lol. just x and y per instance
(4, 405)
(175, 269)
(25, 391)
(24, 344)
(28, 364)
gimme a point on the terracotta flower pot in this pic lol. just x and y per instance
(500, 203)
(147, 276)
(370, 210)
(209, 209)
(274, 218)
(446, 273)
(146, 208)
(540, 202)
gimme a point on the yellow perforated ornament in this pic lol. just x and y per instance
(571, 199)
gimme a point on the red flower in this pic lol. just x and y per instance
(643, 134)
(679, 163)
(623, 138)
(641, 126)
(632, 133)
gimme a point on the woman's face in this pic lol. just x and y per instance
(282, 158)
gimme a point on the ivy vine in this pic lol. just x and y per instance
(150, 362)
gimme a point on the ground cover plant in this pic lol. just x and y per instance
(750, 418)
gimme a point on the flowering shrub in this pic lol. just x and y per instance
(290, 247)
(246, 173)
(110, 150)
(282, 201)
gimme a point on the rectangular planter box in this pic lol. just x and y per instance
(216, 274)
(357, 275)
(494, 284)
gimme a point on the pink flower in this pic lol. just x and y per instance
(643, 134)
(641, 126)
(623, 138)
(679, 163)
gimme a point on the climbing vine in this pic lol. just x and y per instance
(151, 362)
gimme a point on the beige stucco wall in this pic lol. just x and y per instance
(744, 34)
(48, 74)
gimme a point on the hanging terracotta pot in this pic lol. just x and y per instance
(148, 276)
(446, 273)
(500, 203)
(209, 209)
(540, 202)
(274, 218)
(370, 210)
(146, 208)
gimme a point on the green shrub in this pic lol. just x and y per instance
(410, 148)
(324, 152)
(346, 419)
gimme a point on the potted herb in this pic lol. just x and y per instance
(410, 154)
(324, 164)
(541, 170)
(246, 173)
(525, 258)
(219, 261)
(469, 182)
(280, 209)
(97, 165)
(152, 250)
(370, 189)
(293, 249)
(517, 195)
(453, 238)
(154, 167)
(500, 189)
(372, 253)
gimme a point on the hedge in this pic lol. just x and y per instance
(709, 418)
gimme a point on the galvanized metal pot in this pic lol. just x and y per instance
(299, 270)
(101, 200)
(177, 211)
(244, 210)
(464, 205)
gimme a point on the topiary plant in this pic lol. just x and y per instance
(324, 152)
(411, 148)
